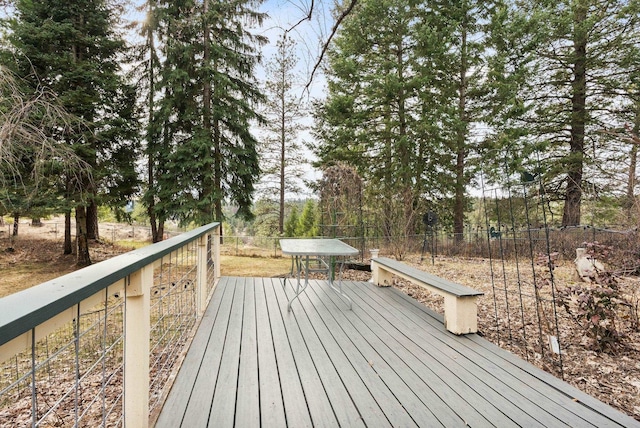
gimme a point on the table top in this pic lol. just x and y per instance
(316, 247)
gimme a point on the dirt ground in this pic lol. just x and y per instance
(508, 314)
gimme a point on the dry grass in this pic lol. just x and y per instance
(254, 266)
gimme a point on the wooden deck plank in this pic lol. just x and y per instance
(322, 413)
(554, 404)
(387, 362)
(369, 410)
(388, 394)
(498, 391)
(339, 398)
(553, 401)
(248, 395)
(271, 405)
(428, 377)
(295, 405)
(391, 409)
(192, 367)
(427, 407)
(461, 372)
(222, 411)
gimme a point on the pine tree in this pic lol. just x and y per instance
(567, 70)
(291, 224)
(281, 157)
(207, 101)
(453, 54)
(307, 225)
(73, 50)
(369, 119)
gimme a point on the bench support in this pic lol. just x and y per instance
(381, 277)
(460, 314)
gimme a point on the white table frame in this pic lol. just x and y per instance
(316, 250)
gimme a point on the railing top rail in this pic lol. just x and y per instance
(22, 311)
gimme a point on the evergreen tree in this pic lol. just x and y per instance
(452, 52)
(73, 50)
(206, 153)
(566, 68)
(370, 117)
(406, 92)
(307, 224)
(292, 222)
(149, 64)
(281, 157)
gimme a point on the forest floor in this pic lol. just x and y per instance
(509, 314)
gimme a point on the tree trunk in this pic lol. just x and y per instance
(16, 224)
(93, 231)
(68, 248)
(461, 150)
(209, 186)
(575, 160)
(160, 231)
(36, 222)
(633, 168)
(82, 257)
(151, 135)
(283, 148)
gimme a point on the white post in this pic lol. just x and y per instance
(380, 276)
(201, 278)
(216, 252)
(374, 254)
(136, 348)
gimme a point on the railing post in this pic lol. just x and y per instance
(216, 252)
(201, 278)
(136, 348)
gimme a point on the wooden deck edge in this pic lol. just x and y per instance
(155, 414)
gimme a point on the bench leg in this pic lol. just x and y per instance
(381, 277)
(461, 314)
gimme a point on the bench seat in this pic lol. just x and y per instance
(460, 302)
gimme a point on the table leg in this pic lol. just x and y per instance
(294, 264)
(339, 288)
(306, 281)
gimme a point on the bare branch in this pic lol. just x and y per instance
(325, 45)
(306, 18)
(29, 124)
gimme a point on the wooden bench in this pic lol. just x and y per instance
(460, 306)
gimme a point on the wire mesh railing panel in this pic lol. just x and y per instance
(72, 377)
(173, 315)
(73, 370)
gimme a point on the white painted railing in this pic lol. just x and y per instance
(97, 347)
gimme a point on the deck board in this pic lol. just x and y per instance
(387, 362)
(462, 371)
(550, 403)
(269, 372)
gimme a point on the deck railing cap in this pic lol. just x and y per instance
(24, 310)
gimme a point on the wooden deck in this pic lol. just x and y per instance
(387, 362)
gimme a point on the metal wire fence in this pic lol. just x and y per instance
(70, 369)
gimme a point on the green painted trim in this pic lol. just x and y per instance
(22, 311)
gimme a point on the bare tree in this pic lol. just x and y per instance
(30, 154)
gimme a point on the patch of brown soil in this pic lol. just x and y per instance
(27, 261)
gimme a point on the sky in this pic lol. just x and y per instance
(309, 35)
